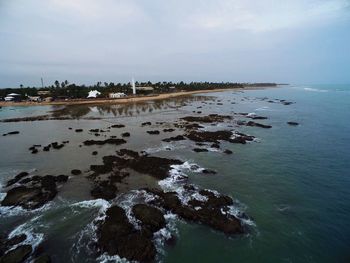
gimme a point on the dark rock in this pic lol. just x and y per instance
(61, 178)
(215, 145)
(152, 218)
(146, 123)
(94, 153)
(255, 124)
(17, 255)
(43, 259)
(118, 126)
(17, 178)
(207, 119)
(94, 130)
(104, 190)
(128, 152)
(107, 141)
(57, 146)
(208, 136)
(78, 130)
(117, 236)
(227, 151)
(176, 138)
(47, 148)
(155, 132)
(168, 130)
(208, 171)
(75, 172)
(293, 123)
(11, 133)
(200, 150)
(126, 134)
(34, 151)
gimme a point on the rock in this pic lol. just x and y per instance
(293, 123)
(17, 178)
(41, 190)
(215, 145)
(107, 141)
(227, 151)
(207, 119)
(155, 132)
(128, 152)
(208, 136)
(168, 130)
(11, 133)
(152, 218)
(117, 236)
(47, 148)
(255, 124)
(118, 126)
(94, 130)
(146, 123)
(208, 171)
(75, 172)
(17, 255)
(210, 212)
(94, 153)
(104, 190)
(126, 134)
(78, 130)
(43, 259)
(57, 146)
(200, 150)
(173, 139)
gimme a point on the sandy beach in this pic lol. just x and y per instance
(124, 100)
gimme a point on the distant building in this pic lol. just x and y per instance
(34, 98)
(13, 97)
(145, 88)
(116, 95)
(93, 94)
(44, 92)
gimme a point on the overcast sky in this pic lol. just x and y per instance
(84, 41)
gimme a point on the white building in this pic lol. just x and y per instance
(13, 97)
(93, 94)
(116, 95)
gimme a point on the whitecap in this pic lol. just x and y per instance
(315, 90)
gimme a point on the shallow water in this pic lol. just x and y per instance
(293, 182)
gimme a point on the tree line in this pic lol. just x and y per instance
(71, 90)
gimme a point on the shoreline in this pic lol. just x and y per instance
(126, 100)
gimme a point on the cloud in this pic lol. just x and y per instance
(267, 15)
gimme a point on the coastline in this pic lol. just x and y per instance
(127, 100)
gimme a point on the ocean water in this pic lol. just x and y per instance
(293, 182)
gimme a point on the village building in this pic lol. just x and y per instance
(116, 95)
(93, 94)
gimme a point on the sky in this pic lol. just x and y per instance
(85, 41)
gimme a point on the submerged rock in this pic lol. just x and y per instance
(168, 130)
(146, 123)
(17, 178)
(126, 134)
(75, 172)
(256, 124)
(200, 150)
(78, 130)
(293, 123)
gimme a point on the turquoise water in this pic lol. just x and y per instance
(294, 182)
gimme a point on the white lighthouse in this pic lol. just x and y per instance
(133, 86)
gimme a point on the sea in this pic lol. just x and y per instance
(292, 181)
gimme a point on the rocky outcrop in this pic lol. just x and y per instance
(117, 236)
(113, 141)
(34, 192)
(17, 255)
